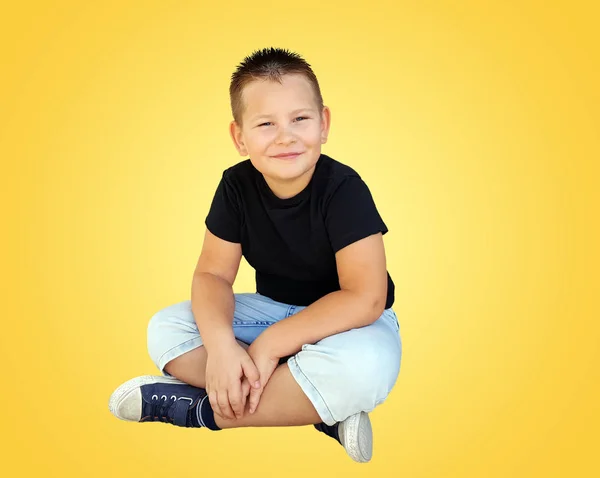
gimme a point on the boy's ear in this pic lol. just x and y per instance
(325, 124)
(236, 135)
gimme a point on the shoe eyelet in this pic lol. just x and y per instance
(163, 396)
(174, 397)
(155, 396)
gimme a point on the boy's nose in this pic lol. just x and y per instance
(284, 136)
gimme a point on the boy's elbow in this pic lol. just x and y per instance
(376, 307)
(370, 304)
(379, 307)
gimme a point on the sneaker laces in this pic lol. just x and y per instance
(168, 410)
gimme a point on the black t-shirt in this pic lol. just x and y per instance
(291, 243)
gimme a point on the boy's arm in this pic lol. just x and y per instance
(212, 289)
(362, 274)
(213, 305)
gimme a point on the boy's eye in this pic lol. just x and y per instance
(298, 118)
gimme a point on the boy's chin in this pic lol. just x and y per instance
(282, 178)
(289, 174)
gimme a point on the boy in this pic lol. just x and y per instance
(318, 343)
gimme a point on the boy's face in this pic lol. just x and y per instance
(278, 119)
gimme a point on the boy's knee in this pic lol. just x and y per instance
(372, 373)
(350, 380)
(153, 335)
(168, 327)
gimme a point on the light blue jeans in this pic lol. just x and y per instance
(341, 375)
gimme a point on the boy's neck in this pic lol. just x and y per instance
(289, 189)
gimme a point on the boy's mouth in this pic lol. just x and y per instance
(288, 155)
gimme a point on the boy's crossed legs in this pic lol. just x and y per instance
(283, 403)
(334, 381)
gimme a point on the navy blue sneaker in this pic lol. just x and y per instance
(354, 434)
(152, 398)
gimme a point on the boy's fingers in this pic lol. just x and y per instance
(254, 398)
(235, 398)
(223, 400)
(245, 391)
(251, 372)
(245, 387)
(214, 404)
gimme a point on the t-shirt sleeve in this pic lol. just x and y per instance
(224, 216)
(351, 214)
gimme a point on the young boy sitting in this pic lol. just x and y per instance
(318, 343)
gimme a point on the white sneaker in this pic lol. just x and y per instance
(152, 398)
(355, 435)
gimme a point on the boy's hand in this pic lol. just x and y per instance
(226, 366)
(266, 363)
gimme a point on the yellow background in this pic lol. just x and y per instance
(476, 126)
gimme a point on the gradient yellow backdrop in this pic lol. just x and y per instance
(476, 126)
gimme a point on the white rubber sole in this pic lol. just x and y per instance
(125, 402)
(356, 435)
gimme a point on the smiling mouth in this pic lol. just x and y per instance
(287, 156)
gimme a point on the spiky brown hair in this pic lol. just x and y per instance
(268, 64)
